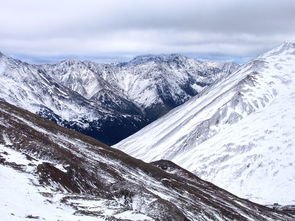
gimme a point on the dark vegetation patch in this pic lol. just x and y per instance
(48, 174)
(32, 217)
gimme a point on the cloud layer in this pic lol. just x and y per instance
(211, 29)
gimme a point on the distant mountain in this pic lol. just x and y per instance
(106, 101)
(31, 88)
(51, 173)
(237, 133)
(152, 83)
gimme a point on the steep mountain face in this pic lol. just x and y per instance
(29, 87)
(85, 78)
(65, 175)
(154, 84)
(238, 133)
(164, 82)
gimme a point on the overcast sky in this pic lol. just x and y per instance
(49, 30)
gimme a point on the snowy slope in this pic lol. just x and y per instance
(238, 133)
(27, 203)
(65, 175)
(26, 86)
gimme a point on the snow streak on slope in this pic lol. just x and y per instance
(238, 134)
(65, 175)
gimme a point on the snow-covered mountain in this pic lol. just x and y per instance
(238, 133)
(106, 101)
(31, 88)
(152, 83)
(51, 173)
(86, 78)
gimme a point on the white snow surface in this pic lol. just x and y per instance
(22, 197)
(19, 198)
(238, 133)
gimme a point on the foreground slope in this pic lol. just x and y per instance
(65, 175)
(238, 134)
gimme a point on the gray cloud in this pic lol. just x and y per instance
(211, 29)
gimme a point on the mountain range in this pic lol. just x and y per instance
(106, 101)
(230, 125)
(237, 133)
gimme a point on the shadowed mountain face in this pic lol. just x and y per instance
(65, 175)
(237, 133)
(106, 101)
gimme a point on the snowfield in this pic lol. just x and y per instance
(238, 133)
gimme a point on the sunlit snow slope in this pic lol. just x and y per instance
(239, 133)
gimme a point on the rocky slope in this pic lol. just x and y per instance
(238, 133)
(65, 175)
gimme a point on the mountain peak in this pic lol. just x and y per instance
(156, 58)
(285, 47)
(288, 44)
(71, 61)
(2, 55)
